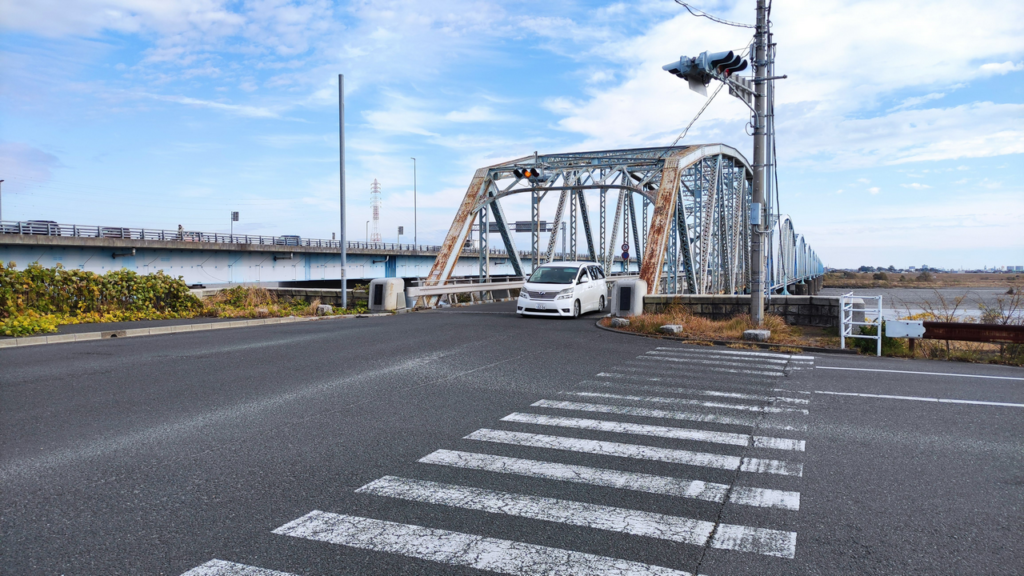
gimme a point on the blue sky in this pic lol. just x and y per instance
(900, 128)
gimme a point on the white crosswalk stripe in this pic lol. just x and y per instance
(666, 485)
(637, 394)
(640, 452)
(460, 549)
(636, 522)
(225, 568)
(742, 353)
(719, 393)
(691, 402)
(669, 414)
(660, 431)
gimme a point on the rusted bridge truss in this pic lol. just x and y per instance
(683, 213)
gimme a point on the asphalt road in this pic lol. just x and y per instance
(470, 441)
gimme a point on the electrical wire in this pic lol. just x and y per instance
(699, 112)
(702, 14)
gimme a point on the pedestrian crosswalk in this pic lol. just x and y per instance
(679, 425)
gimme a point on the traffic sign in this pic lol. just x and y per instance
(625, 255)
(625, 247)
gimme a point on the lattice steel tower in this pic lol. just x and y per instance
(375, 202)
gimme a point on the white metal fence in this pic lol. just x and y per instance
(851, 317)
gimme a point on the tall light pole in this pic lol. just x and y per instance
(341, 158)
(757, 212)
(415, 239)
(1, 201)
(367, 231)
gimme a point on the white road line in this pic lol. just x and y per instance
(225, 568)
(925, 373)
(723, 359)
(639, 452)
(630, 428)
(716, 361)
(712, 368)
(595, 516)
(919, 399)
(669, 414)
(658, 431)
(721, 394)
(635, 481)
(736, 353)
(691, 402)
(673, 373)
(461, 549)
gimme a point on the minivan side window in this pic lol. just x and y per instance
(583, 274)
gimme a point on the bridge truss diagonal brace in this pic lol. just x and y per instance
(477, 194)
(661, 219)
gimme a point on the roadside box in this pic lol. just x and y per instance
(628, 297)
(387, 294)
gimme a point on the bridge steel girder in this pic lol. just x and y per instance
(709, 233)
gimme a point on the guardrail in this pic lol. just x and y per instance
(462, 288)
(49, 228)
(969, 332)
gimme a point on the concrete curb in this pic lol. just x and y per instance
(159, 330)
(770, 347)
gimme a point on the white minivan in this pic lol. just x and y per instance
(563, 289)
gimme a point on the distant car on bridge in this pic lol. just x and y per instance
(563, 289)
(288, 240)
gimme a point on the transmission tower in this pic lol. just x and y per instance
(375, 202)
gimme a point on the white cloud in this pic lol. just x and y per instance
(1002, 68)
(25, 166)
(874, 190)
(474, 114)
(236, 109)
(911, 102)
(916, 186)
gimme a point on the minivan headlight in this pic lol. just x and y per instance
(564, 294)
(524, 294)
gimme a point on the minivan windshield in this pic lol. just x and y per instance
(554, 275)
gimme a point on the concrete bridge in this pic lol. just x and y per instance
(214, 259)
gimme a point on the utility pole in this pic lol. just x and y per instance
(1, 201)
(341, 157)
(757, 213)
(415, 238)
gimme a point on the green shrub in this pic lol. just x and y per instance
(890, 346)
(38, 299)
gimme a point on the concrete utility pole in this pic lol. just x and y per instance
(341, 154)
(757, 212)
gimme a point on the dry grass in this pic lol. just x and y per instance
(258, 302)
(919, 280)
(705, 329)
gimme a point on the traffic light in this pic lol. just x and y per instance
(687, 69)
(533, 174)
(699, 71)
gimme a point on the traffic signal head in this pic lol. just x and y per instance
(687, 69)
(725, 63)
(533, 174)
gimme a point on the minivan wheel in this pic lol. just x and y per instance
(576, 309)
(600, 304)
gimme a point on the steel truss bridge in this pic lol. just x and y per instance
(683, 210)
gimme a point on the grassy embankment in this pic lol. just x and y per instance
(1006, 310)
(37, 300)
(919, 280)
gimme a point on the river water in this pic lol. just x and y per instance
(901, 302)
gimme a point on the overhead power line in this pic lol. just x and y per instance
(702, 14)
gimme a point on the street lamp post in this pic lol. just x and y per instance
(341, 162)
(367, 231)
(1, 201)
(415, 237)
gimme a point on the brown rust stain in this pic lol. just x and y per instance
(452, 246)
(661, 221)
